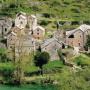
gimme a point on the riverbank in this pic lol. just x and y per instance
(28, 87)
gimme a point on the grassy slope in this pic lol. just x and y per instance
(81, 59)
(61, 10)
(76, 9)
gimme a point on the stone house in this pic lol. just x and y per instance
(78, 37)
(20, 41)
(21, 20)
(51, 46)
(38, 32)
(86, 31)
(30, 22)
(5, 26)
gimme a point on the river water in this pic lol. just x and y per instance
(29, 87)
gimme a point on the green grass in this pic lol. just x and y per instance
(6, 66)
(53, 64)
(29, 69)
(50, 66)
(82, 59)
(2, 50)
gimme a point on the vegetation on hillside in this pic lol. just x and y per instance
(50, 11)
(54, 72)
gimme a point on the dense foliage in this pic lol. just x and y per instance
(40, 59)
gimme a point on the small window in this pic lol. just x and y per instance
(32, 42)
(63, 46)
(37, 29)
(10, 46)
(21, 22)
(79, 44)
(37, 33)
(19, 18)
(71, 36)
(5, 29)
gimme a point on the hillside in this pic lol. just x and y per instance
(50, 11)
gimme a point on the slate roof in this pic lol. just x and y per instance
(40, 27)
(49, 41)
(83, 28)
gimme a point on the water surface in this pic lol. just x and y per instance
(28, 87)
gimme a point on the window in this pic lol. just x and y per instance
(5, 29)
(63, 46)
(37, 33)
(80, 36)
(37, 29)
(21, 22)
(79, 44)
(11, 47)
(19, 18)
(32, 42)
(71, 36)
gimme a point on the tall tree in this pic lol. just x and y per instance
(19, 54)
(40, 59)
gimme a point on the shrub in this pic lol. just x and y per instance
(46, 15)
(44, 22)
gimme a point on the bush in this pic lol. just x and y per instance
(44, 22)
(12, 5)
(46, 15)
(82, 60)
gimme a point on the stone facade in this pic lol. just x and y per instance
(20, 42)
(78, 37)
(5, 26)
(25, 21)
(39, 32)
(75, 39)
(51, 46)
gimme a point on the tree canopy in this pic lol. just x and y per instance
(41, 58)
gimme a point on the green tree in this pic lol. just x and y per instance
(40, 59)
(88, 41)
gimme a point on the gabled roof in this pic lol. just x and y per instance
(83, 28)
(15, 31)
(40, 27)
(71, 32)
(33, 16)
(21, 13)
(24, 17)
(49, 41)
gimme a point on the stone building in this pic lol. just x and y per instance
(38, 32)
(30, 22)
(5, 26)
(20, 41)
(51, 46)
(21, 20)
(78, 37)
